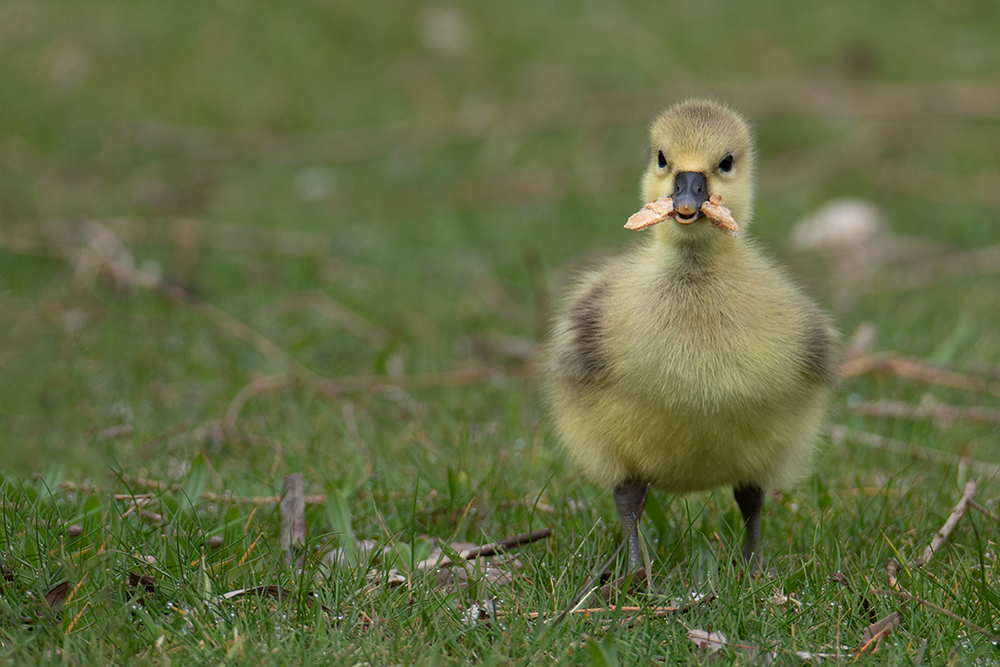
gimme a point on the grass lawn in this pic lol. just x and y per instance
(241, 240)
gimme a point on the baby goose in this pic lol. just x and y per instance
(692, 362)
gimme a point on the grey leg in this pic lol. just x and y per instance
(750, 498)
(628, 499)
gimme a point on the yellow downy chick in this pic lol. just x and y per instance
(691, 362)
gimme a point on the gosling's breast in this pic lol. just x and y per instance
(714, 342)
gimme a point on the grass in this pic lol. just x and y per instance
(442, 189)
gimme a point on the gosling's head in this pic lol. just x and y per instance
(699, 148)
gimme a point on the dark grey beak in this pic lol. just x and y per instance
(690, 192)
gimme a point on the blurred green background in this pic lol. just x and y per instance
(212, 213)
(431, 170)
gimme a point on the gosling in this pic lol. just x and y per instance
(691, 361)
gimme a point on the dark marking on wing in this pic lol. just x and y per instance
(585, 362)
(821, 359)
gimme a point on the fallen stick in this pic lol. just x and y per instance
(914, 369)
(486, 550)
(909, 597)
(947, 528)
(512, 542)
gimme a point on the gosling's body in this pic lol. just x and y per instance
(691, 362)
(688, 379)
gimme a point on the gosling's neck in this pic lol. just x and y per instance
(693, 252)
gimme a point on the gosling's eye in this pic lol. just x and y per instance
(727, 163)
(661, 160)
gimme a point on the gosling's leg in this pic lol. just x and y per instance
(628, 499)
(750, 498)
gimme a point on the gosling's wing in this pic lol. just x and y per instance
(578, 355)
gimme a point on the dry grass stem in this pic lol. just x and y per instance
(255, 388)
(914, 369)
(841, 434)
(943, 415)
(930, 185)
(125, 274)
(338, 387)
(658, 612)
(207, 496)
(328, 307)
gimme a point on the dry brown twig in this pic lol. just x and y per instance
(947, 528)
(877, 631)
(486, 550)
(909, 597)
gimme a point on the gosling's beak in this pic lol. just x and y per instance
(690, 192)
